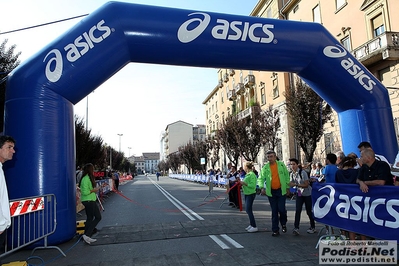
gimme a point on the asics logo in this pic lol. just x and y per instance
(349, 65)
(224, 30)
(75, 50)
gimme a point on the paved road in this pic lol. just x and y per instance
(169, 223)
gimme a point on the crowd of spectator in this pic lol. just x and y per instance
(278, 181)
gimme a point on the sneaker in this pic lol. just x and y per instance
(276, 233)
(252, 230)
(88, 240)
(295, 232)
(311, 231)
(248, 227)
(284, 228)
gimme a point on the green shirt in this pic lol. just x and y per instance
(85, 188)
(266, 176)
(250, 180)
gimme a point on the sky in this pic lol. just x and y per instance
(141, 99)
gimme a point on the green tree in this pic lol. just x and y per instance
(8, 61)
(256, 131)
(308, 113)
(190, 155)
(227, 138)
(174, 161)
(163, 166)
(201, 151)
(212, 150)
(270, 125)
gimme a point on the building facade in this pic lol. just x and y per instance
(176, 134)
(366, 28)
(151, 161)
(139, 163)
(199, 133)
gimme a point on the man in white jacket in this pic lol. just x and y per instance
(7, 145)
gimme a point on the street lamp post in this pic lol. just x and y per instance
(129, 150)
(120, 135)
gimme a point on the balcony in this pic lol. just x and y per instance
(247, 112)
(231, 95)
(249, 81)
(240, 89)
(383, 47)
(231, 72)
(220, 84)
(226, 77)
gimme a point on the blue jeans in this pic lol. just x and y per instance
(308, 205)
(249, 201)
(279, 212)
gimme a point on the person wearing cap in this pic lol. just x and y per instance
(277, 178)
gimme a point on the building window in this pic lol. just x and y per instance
(339, 4)
(377, 25)
(275, 85)
(296, 8)
(328, 143)
(346, 42)
(263, 96)
(316, 14)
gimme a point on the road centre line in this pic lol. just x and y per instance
(219, 242)
(222, 244)
(231, 241)
(183, 208)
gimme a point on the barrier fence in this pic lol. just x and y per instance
(32, 220)
(221, 180)
(211, 181)
(106, 186)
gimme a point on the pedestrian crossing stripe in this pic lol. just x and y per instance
(222, 244)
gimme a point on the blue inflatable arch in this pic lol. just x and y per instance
(42, 91)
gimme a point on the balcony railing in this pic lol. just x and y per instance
(247, 112)
(383, 47)
(240, 89)
(231, 95)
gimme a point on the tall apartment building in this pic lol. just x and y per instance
(176, 134)
(238, 89)
(366, 28)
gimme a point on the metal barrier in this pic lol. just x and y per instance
(32, 220)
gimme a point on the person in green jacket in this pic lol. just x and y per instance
(277, 178)
(249, 188)
(88, 192)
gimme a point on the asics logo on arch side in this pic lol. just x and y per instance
(224, 30)
(75, 50)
